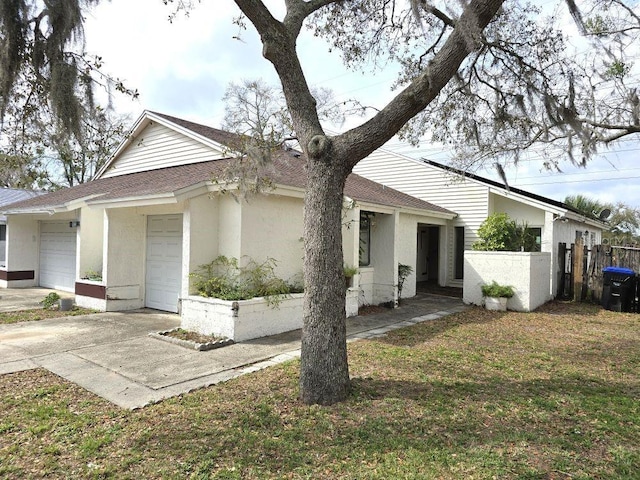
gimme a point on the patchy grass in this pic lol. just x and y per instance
(477, 395)
(41, 314)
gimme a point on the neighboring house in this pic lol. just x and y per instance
(155, 213)
(8, 196)
(474, 198)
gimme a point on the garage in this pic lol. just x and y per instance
(164, 262)
(58, 255)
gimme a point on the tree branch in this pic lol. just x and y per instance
(279, 47)
(362, 140)
(298, 10)
(440, 15)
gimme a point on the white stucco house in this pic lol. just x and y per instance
(154, 213)
(8, 196)
(474, 198)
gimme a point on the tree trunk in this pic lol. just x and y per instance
(324, 371)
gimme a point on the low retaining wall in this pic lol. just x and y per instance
(246, 319)
(529, 273)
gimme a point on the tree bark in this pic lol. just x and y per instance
(324, 371)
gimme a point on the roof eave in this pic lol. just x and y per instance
(583, 219)
(136, 201)
(383, 208)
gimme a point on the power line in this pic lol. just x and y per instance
(578, 181)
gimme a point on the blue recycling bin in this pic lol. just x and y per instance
(618, 289)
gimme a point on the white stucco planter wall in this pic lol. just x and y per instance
(529, 274)
(247, 319)
(243, 319)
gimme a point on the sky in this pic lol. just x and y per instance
(182, 68)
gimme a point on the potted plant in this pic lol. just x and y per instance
(496, 295)
(349, 273)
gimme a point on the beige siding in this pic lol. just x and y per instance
(160, 147)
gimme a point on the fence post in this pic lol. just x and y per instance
(562, 269)
(578, 269)
(585, 273)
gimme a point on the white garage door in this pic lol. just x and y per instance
(164, 262)
(58, 255)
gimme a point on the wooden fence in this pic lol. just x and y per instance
(581, 279)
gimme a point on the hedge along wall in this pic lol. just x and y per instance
(529, 273)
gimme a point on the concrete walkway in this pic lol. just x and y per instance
(112, 355)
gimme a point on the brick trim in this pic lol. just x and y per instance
(17, 275)
(90, 290)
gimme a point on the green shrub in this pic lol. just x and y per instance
(226, 279)
(92, 275)
(496, 290)
(497, 233)
(50, 300)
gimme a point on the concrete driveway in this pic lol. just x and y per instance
(112, 355)
(12, 299)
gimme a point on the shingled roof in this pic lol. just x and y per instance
(12, 195)
(287, 170)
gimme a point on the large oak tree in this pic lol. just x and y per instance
(497, 75)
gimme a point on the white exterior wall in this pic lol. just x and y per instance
(272, 228)
(159, 147)
(3, 248)
(351, 236)
(548, 244)
(22, 248)
(124, 258)
(566, 232)
(230, 227)
(407, 251)
(468, 199)
(518, 211)
(384, 229)
(200, 234)
(527, 272)
(365, 283)
(22, 243)
(91, 235)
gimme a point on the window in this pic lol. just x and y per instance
(3, 233)
(458, 261)
(586, 238)
(365, 238)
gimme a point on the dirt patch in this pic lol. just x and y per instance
(192, 340)
(192, 336)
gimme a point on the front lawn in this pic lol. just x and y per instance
(477, 395)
